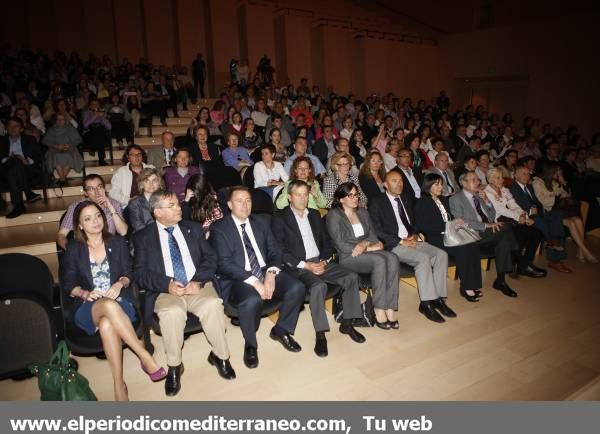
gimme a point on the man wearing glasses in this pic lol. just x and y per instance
(94, 189)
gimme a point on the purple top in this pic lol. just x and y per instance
(90, 118)
(176, 183)
(67, 222)
(232, 157)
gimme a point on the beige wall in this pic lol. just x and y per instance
(560, 56)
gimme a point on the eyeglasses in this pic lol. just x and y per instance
(343, 164)
(96, 188)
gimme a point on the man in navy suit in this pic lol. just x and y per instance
(307, 252)
(176, 266)
(548, 223)
(19, 158)
(249, 260)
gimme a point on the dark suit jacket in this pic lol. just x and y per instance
(75, 269)
(149, 267)
(319, 150)
(228, 245)
(523, 200)
(213, 151)
(408, 191)
(429, 219)
(368, 186)
(384, 220)
(287, 232)
(31, 149)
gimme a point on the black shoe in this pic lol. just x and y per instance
(286, 340)
(102, 163)
(385, 325)
(34, 198)
(16, 212)
(478, 293)
(250, 357)
(427, 309)
(442, 307)
(506, 290)
(223, 366)
(173, 382)
(321, 346)
(394, 324)
(347, 329)
(469, 298)
(541, 270)
(530, 271)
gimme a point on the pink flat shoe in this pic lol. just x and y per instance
(160, 374)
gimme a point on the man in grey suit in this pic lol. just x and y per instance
(472, 205)
(440, 167)
(160, 156)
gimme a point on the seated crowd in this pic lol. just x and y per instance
(387, 174)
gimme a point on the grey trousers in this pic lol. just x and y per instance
(317, 290)
(431, 268)
(384, 269)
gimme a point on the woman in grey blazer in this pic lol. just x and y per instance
(138, 213)
(360, 250)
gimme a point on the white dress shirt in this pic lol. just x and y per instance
(504, 203)
(188, 264)
(261, 262)
(308, 238)
(402, 230)
(413, 181)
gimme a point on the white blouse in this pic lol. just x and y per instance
(504, 203)
(442, 209)
(358, 229)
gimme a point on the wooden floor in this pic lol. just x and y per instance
(544, 345)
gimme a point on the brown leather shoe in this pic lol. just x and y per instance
(560, 267)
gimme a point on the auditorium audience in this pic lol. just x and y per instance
(300, 148)
(137, 213)
(359, 249)
(96, 130)
(96, 271)
(303, 170)
(341, 162)
(432, 212)
(395, 225)
(62, 140)
(371, 174)
(269, 175)
(201, 203)
(124, 182)
(161, 157)
(178, 175)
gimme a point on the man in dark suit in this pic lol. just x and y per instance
(325, 146)
(394, 223)
(441, 164)
(472, 205)
(548, 223)
(411, 179)
(176, 266)
(20, 156)
(307, 252)
(249, 260)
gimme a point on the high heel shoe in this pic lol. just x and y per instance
(157, 376)
(478, 293)
(394, 324)
(469, 298)
(385, 325)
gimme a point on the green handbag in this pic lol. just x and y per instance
(58, 381)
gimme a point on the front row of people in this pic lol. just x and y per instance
(247, 261)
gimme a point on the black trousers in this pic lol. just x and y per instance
(467, 259)
(289, 290)
(529, 239)
(156, 108)
(98, 138)
(502, 242)
(18, 176)
(317, 290)
(198, 83)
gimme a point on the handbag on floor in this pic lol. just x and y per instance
(58, 381)
(456, 234)
(368, 311)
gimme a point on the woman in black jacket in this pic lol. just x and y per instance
(431, 214)
(96, 271)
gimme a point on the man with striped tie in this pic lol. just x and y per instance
(176, 266)
(250, 266)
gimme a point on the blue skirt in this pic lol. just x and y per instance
(83, 315)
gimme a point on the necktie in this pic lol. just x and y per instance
(176, 259)
(477, 202)
(403, 215)
(528, 193)
(450, 188)
(254, 265)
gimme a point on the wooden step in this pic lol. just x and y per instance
(117, 155)
(92, 167)
(34, 239)
(157, 131)
(172, 121)
(42, 211)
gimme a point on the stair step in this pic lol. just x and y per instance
(157, 131)
(49, 210)
(173, 121)
(19, 237)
